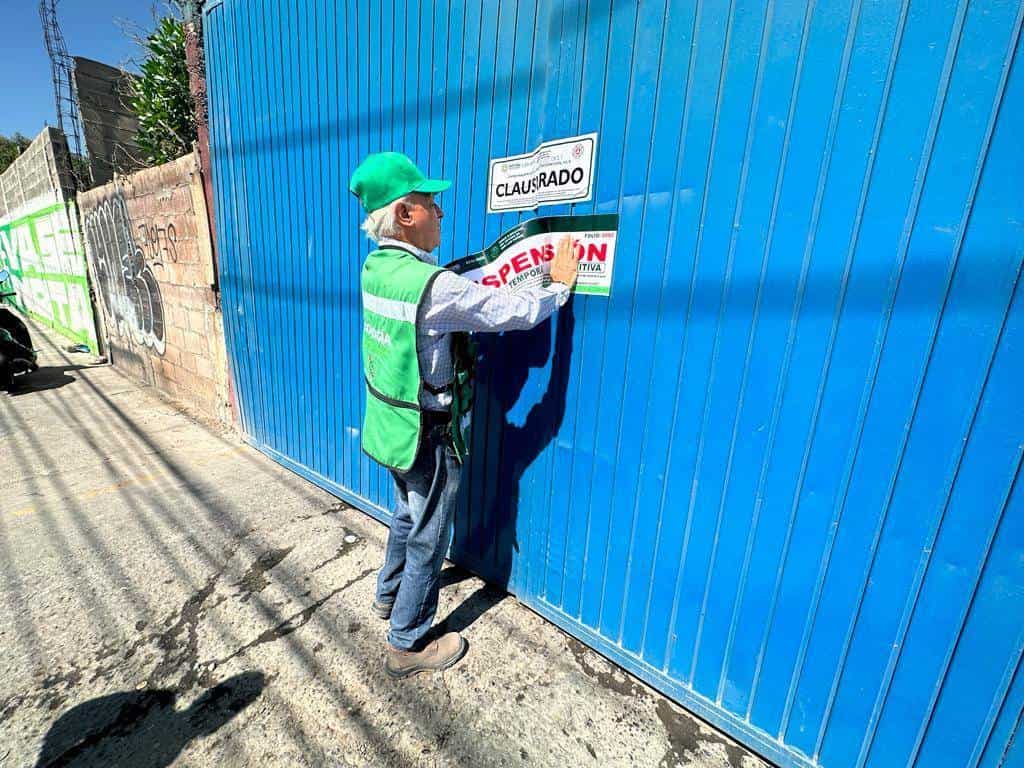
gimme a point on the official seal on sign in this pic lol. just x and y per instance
(577, 151)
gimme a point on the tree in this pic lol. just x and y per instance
(160, 95)
(11, 147)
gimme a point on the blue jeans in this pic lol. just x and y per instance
(420, 530)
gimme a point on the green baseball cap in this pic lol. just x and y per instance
(384, 177)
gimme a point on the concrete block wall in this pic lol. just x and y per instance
(149, 252)
(108, 123)
(40, 171)
(40, 241)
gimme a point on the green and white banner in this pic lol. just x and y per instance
(521, 258)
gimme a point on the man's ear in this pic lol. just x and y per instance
(402, 214)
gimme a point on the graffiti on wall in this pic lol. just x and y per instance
(41, 248)
(158, 243)
(124, 271)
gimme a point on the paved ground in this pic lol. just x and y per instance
(170, 596)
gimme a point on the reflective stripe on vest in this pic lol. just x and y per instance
(390, 308)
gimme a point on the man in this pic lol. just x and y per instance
(415, 316)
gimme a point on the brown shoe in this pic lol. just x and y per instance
(440, 654)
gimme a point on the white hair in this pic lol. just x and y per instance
(381, 223)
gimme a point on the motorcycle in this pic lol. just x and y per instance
(17, 356)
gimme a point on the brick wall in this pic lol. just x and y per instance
(149, 253)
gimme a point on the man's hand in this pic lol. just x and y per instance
(563, 266)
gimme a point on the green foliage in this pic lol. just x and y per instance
(160, 95)
(11, 147)
(80, 168)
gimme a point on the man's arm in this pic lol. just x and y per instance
(458, 304)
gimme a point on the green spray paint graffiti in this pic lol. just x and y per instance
(41, 248)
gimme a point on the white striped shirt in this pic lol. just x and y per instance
(455, 304)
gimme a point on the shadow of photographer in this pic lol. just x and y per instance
(142, 729)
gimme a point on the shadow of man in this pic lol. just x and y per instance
(142, 729)
(504, 446)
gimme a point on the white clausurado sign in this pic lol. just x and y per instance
(560, 171)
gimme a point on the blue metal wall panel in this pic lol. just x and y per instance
(777, 472)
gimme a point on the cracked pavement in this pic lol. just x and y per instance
(173, 597)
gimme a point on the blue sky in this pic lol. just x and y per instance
(92, 28)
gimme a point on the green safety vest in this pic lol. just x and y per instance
(394, 283)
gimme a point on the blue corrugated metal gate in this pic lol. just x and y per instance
(776, 473)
